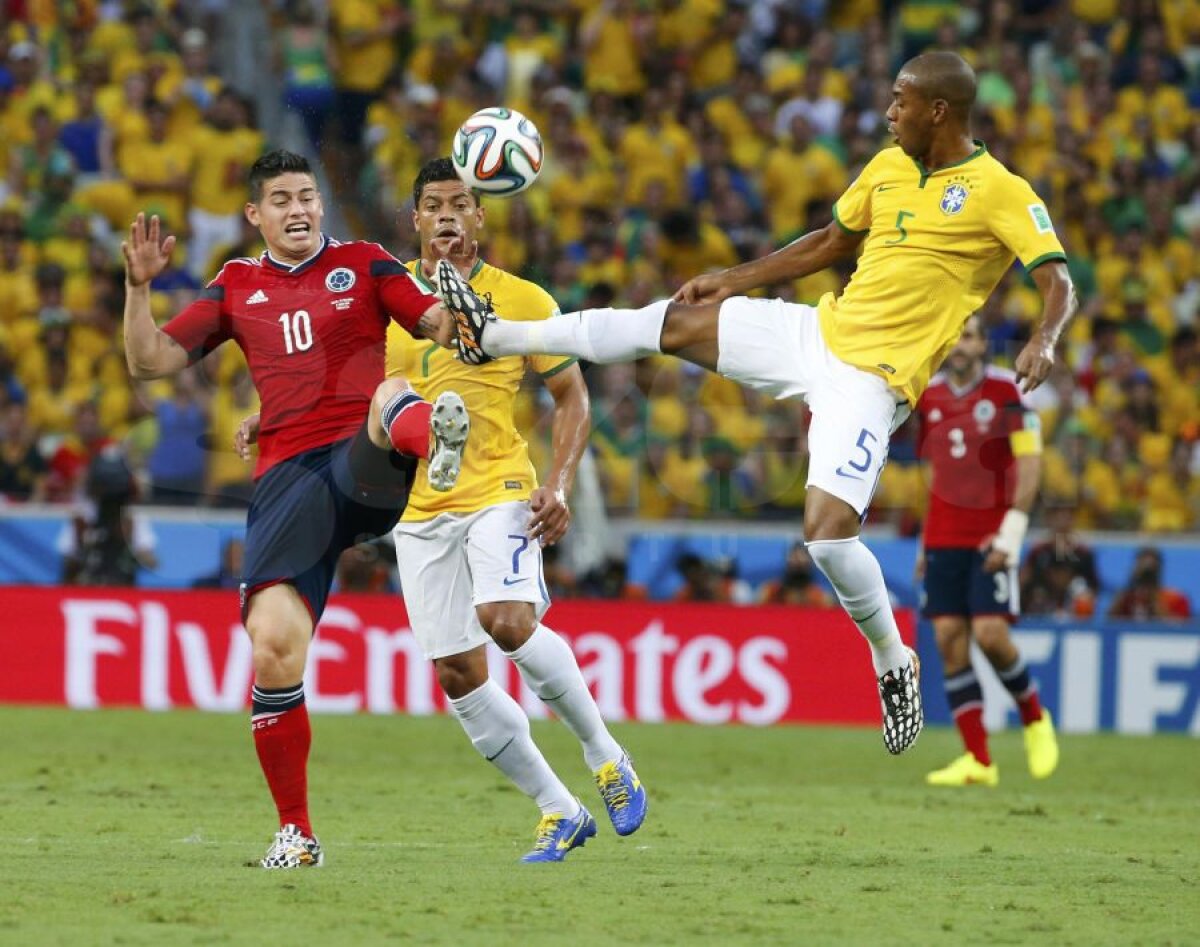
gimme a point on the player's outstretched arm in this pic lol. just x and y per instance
(437, 325)
(149, 352)
(572, 421)
(1059, 303)
(809, 254)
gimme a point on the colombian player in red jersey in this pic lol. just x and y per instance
(983, 449)
(339, 445)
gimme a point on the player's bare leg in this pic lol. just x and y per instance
(548, 666)
(280, 628)
(499, 730)
(831, 528)
(965, 697)
(994, 637)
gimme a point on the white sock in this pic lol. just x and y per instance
(594, 335)
(858, 581)
(499, 730)
(548, 666)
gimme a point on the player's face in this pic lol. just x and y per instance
(909, 117)
(288, 215)
(968, 352)
(447, 211)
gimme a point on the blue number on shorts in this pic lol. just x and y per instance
(522, 545)
(866, 464)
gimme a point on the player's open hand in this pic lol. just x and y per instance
(147, 253)
(706, 288)
(247, 434)
(551, 516)
(458, 250)
(995, 560)
(1034, 363)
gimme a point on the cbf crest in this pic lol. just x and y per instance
(339, 280)
(954, 196)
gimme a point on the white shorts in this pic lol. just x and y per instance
(455, 561)
(777, 347)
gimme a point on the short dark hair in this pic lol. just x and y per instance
(272, 165)
(437, 169)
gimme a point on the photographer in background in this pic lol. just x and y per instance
(1144, 597)
(105, 543)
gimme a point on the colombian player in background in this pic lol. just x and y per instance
(982, 448)
(940, 221)
(338, 444)
(471, 558)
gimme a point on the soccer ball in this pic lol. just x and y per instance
(497, 151)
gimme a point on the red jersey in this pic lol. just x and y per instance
(965, 439)
(313, 334)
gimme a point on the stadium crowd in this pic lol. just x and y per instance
(681, 135)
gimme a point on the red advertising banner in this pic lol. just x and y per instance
(648, 661)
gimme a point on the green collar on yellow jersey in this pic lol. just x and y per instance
(981, 149)
(420, 276)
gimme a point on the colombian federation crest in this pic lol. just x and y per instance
(339, 280)
(953, 198)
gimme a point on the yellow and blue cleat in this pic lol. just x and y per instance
(556, 835)
(965, 771)
(1041, 747)
(623, 794)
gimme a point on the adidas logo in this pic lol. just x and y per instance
(258, 297)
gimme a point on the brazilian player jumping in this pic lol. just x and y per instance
(939, 221)
(311, 315)
(471, 558)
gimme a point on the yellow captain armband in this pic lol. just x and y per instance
(1028, 440)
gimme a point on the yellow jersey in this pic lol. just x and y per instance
(937, 244)
(496, 467)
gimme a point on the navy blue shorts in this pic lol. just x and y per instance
(310, 508)
(955, 584)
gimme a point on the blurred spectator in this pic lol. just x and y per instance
(1144, 597)
(367, 568)
(306, 60)
(228, 147)
(86, 137)
(560, 582)
(229, 573)
(177, 465)
(22, 467)
(1059, 576)
(734, 588)
(798, 584)
(731, 487)
(364, 54)
(229, 477)
(105, 544)
(701, 581)
(70, 462)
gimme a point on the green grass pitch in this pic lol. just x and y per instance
(136, 828)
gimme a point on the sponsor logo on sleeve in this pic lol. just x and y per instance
(1041, 219)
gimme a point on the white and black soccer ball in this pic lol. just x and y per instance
(497, 151)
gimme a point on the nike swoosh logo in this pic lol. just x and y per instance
(887, 187)
(508, 581)
(842, 473)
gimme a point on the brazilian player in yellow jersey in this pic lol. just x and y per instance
(470, 559)
(939, 221)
